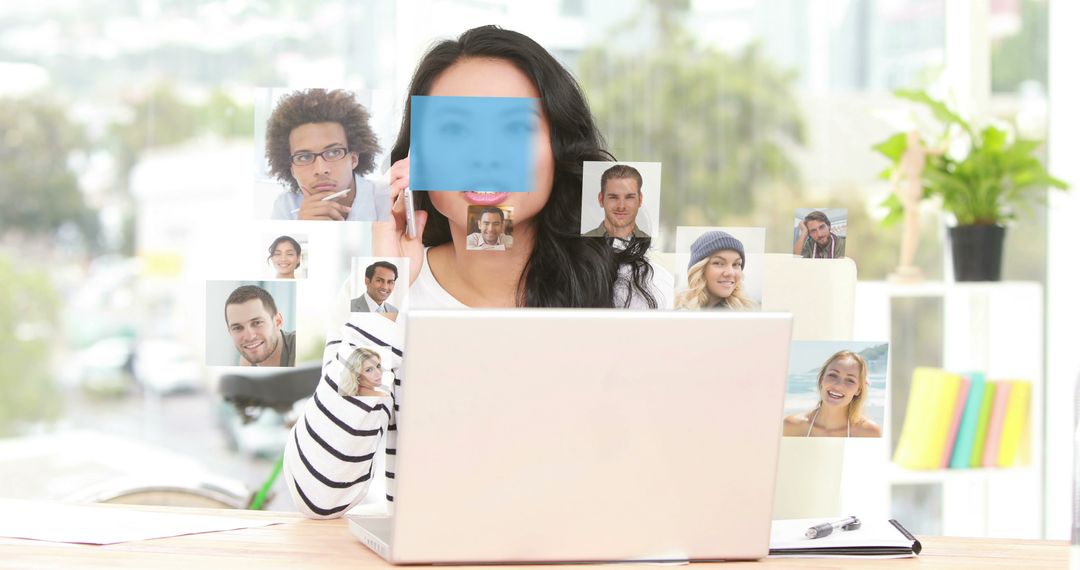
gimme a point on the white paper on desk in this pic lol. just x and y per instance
(791, 534)
(90, 524)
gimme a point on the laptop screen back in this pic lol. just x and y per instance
(555, 435)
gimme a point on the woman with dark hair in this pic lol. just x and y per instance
(551, 265)
(284, 257)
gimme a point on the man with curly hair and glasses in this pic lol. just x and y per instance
(319, 144)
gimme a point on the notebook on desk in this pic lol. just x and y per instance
(585, 435)
(873, 539)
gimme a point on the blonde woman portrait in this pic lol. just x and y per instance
(363, 375)
(843, 388)
(715, 275)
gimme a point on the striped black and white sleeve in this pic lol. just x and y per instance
(330, 455)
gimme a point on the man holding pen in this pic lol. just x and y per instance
(320, 145)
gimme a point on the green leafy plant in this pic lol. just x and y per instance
(987, 185)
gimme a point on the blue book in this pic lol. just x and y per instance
(969, 423)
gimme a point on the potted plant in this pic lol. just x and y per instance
(983, 178)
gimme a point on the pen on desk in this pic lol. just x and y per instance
(330, 197)
(826, 528)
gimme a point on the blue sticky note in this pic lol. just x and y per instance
(483, 144)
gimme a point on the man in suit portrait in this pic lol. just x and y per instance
(379, 278)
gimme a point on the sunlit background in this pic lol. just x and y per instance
(126, 180)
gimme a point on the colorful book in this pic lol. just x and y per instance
(985, 408)
(997, 421)
(1015, 423)
(954, 423)
(965, 435)
(929, 414)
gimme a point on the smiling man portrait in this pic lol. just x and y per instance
(620, 197)
(255, 325)
(379, 279)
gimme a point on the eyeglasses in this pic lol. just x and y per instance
(308, 158)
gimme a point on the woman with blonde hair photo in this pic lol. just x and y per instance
(364, 374)
(715, 275)
(843, 387)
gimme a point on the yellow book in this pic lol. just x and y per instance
(930, 408)
(1015, 424)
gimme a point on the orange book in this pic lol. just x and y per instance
(997, 421)
(954, 425)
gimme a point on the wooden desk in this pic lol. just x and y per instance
(308, 544)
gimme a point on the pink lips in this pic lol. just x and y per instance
(485, 198)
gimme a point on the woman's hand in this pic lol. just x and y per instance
(389, 239)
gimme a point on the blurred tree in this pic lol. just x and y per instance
(28, 313)
(161, 118)
(724, 126)
(1023, 56)
(38, 188)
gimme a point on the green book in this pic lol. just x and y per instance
(985, 408)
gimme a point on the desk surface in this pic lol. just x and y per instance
(304, 543)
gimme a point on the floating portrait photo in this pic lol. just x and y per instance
(719, 268)
(363, 354)
(491, 228)
(320, 153)
(287, 255)
(620, 199)
(479, 144)
(836, 389)
(379, 285)
(365, 371)
(251, 323)
(820, 233)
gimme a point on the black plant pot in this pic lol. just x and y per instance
(976, 252)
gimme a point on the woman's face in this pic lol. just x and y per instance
(371, 371)
(840, 383)
(723, 273)
(475, 77)
(284, 258)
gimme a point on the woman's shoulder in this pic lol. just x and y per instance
(368, 329)
(797, 424)
(865, 428)
(426, 292)
(661, 284)
(801, 418)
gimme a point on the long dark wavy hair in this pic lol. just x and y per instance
(565, 269)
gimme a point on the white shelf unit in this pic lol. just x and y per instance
(996, 328)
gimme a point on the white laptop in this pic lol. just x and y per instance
(585, 435)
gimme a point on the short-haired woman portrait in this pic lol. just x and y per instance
(284, 257)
